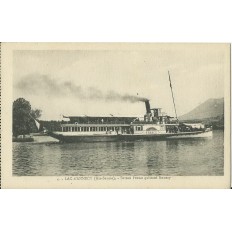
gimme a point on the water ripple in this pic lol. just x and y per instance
(47, 157)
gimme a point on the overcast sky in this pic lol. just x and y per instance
(81, 82)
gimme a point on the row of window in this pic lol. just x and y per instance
(84, 128)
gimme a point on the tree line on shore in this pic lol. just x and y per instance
(24, 119)
(217, 122)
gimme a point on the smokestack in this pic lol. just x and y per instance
(148, 108)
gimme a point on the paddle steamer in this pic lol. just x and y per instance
(154, 125)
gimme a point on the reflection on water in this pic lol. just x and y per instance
(173, 158)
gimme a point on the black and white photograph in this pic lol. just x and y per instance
(115, 115)
(119, 112)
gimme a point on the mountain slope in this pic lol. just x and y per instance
(209, 109)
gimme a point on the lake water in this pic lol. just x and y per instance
(47, 157)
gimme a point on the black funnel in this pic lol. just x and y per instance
(148, 108)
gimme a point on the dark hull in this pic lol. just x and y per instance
(125, 137)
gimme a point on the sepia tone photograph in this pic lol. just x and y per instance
(120, 112)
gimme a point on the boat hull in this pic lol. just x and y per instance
(207, 134)
(129, 137)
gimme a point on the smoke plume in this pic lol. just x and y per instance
(44, 85)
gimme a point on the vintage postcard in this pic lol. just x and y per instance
(115, 115)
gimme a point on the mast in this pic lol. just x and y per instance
(172, 95)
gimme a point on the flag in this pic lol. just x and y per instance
(37, 124)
